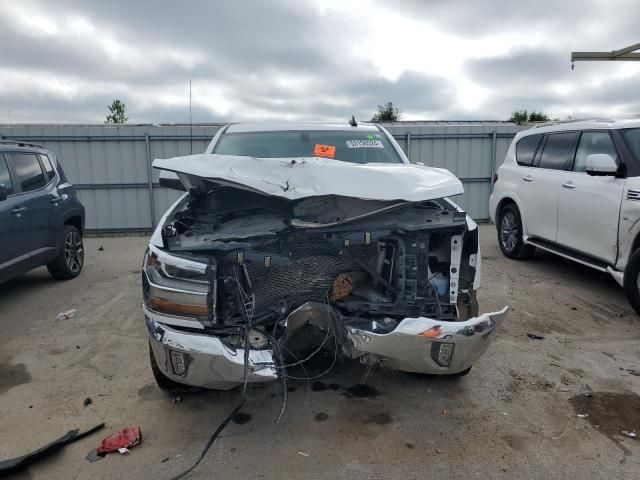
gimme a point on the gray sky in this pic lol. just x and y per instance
(64, 61)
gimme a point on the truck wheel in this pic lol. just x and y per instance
(461, 374)
(164, 383)
(510, 234)
(68, 264)
(632, 280)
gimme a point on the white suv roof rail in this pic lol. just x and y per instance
(576, 120)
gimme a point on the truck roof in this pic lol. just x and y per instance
(311, 126)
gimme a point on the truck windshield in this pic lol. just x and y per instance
(354, 147)
(632, 136)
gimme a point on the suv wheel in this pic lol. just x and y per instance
(68, 264)
(632, 280)
(510, 234)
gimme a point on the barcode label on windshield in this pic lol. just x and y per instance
(364, 144)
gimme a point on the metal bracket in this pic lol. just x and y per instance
(454, 268)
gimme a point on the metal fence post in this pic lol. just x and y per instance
(409, 146)
(493, 159)
(152, 202)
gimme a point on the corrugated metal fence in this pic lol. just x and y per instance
(111, 166)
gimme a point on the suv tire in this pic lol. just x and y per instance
(68, 264)
(631, 281)
(510, 234)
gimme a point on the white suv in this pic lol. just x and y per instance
(573, 189)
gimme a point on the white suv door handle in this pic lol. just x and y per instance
(569, 185)
(527, 179)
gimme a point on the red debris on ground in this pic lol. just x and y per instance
(125, 438)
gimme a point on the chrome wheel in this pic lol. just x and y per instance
(509, 232)
(73, 251)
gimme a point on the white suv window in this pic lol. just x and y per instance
(558, 150)
(526, 149)
(590, 143)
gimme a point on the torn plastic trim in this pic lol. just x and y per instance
(304, 224)
(296, 178)
(16, 464)
(156, 236)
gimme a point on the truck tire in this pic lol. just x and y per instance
(69, 262)
(463, 373)
(632, 279)
(510, 234)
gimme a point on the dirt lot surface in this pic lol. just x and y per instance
(514, 416)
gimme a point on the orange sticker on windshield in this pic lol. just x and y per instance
(324, 150)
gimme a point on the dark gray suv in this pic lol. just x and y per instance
(41, 218)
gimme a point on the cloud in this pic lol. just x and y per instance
(310, 59)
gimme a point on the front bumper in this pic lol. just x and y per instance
(413, 346)
(207, 361)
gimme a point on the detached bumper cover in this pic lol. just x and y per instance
(413, 346)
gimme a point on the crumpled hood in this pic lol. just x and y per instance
(296, 178)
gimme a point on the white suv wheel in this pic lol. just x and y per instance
(509, 232)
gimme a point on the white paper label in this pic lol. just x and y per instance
(364, 144)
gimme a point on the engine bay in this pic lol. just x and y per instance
(378, 261)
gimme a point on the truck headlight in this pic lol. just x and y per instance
(176, 285)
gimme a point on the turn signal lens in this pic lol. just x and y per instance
(167, 306)
(433, 332)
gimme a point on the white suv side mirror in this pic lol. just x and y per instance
(601, 164)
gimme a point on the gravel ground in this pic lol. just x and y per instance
(514, 416)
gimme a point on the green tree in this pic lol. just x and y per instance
(117, 112)
(387, 113)
(538, 117)
(522, 116)
(519, 117)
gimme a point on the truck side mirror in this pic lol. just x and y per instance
(601, 164)
(4, 192)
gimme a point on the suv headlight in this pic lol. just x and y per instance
(176, 285)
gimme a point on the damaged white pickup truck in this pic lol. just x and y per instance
(296, 237)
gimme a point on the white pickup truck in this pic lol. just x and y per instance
(297, 237)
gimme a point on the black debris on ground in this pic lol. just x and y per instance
(361, 390)
(241, 418)
(321, 417)
(319, 386)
